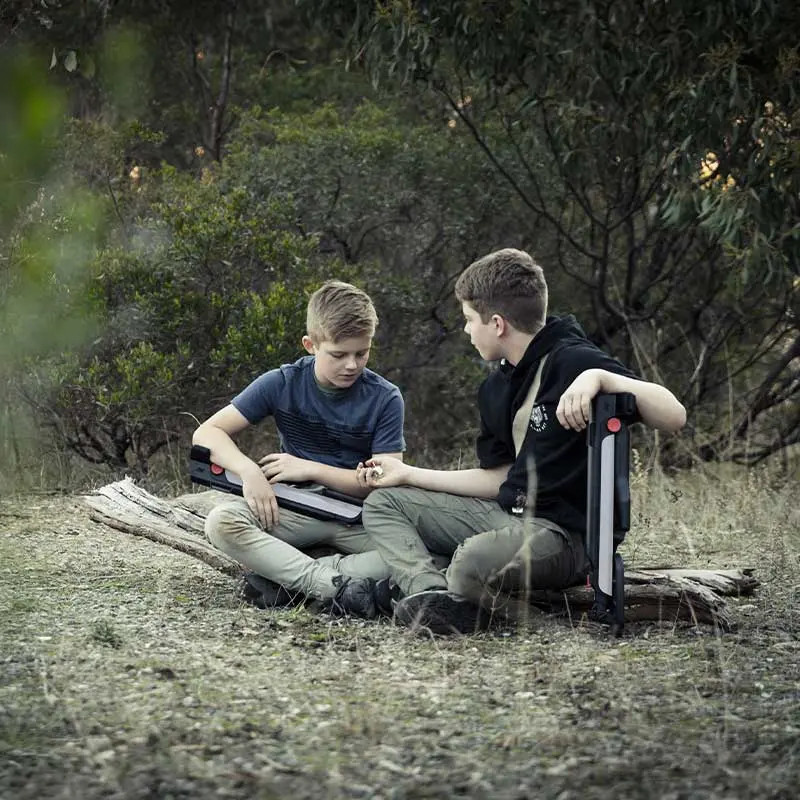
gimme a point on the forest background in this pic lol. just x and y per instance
(179, 176)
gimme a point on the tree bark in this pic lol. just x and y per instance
(665, 595)
(656, 594)
(126, 507)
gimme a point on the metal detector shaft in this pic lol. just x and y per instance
(608, 501)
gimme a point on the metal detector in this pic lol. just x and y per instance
(608, 503)
(317, 501)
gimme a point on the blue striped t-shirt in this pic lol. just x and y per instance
(338, 428)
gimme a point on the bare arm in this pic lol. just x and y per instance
(483, 483)
(284, 467)
(216, 434)
(657, 406)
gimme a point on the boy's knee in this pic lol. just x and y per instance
(382, 500)
(222, 521)
(375, 499)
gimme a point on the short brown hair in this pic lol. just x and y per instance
(339, 310)
(507, 282)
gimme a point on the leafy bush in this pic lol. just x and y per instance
(204, 281)
(207, 290)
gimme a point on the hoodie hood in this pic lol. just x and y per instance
(556, 330)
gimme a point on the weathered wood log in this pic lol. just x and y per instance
(126, 507)
(657, 594)
(664, 594)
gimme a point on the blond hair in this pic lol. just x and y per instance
(339, 310)
(507, 282)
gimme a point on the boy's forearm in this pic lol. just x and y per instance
(224, 450)
(482, 483)
(342, 480)
(656, 404)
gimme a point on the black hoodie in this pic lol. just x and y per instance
(559, 455)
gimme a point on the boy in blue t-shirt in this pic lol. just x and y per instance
(332, 414)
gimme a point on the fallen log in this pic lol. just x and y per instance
(126, 507)
(657, 594)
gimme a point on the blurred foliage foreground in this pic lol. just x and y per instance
(174, 185)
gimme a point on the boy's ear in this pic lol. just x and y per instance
(309, 345)
(500, 324)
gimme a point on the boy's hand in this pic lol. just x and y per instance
(287, 469)
(260, 498)
(381, 472)
(575, 404)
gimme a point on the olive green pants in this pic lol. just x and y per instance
(496, 557)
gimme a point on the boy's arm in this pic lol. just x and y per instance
(288, 468)
(387, 434)
(215, 434)
(483, 483)
(657, 406)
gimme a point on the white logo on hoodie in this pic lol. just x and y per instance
(538, 418)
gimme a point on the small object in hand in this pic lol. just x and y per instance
(376, 472)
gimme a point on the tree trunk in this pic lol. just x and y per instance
(658, 594)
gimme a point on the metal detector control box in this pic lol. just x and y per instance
(608, 505)
(318, 502)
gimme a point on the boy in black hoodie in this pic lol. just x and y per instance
(518, 521)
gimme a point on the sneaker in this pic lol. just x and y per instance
(264, 593)
(440, 611)
(387, 595)
(354, 597)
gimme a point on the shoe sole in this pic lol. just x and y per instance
(439, 613)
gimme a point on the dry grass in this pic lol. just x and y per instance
(128, 670)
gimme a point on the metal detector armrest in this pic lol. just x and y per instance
(608, 504)
(319, 503)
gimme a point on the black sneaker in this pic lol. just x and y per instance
(387, 595)
(264, 593)
(355, 597)
(440, 611)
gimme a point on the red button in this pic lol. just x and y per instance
(216, 469)
(614, 425)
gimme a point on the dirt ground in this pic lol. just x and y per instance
(129, 670)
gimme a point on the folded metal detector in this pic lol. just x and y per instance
(319, 502)
(609, 503)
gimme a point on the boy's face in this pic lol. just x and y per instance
(482, 335)
(339, 364)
